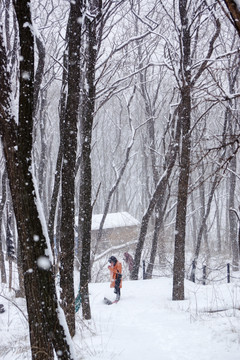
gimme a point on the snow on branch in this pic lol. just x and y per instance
(114, 248)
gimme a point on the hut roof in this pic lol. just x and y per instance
(114, 220)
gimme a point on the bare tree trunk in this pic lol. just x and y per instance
(234, 11)
(194, 222)
(233, 220)
(21, 291)
(180, 228)
(42, 304)
(69, 163)
(2, 265)
(56, 193)
(218, 217)
(185, 118)
(186, 83)
(157, 228)
(232, 217)
(10, 274)
(160, 211)
(2, 204)
(204, 217)
(85, 189)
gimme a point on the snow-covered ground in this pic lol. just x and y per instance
(146, 323)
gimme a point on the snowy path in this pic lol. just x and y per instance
(147, 324)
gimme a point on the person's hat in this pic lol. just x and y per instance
(112, 259)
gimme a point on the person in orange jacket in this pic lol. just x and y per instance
(116, 276)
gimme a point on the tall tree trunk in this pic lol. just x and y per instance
(157, 227)
(182, 197)
(194, 222)
(218, 220)
(180, 227)
(42, 304)
(69, 164)
(86, 124)
(233, 221)
(56, 192)
(186, 83)
(204, 216)
(2, 204)
(160, 211)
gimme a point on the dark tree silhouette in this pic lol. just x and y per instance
(42, 304)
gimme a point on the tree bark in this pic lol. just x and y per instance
(204, 217)
(186, 82)
(233, 221)
(180, 227)
(46, 331)
(2, 204)
(55, 241)
(69, 164)
(185, 118)
(86, 124)
(234, 13)
(158, 227)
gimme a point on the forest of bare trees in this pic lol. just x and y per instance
(110, 106)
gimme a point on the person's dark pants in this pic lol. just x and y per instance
(117, 286)
(117, 292)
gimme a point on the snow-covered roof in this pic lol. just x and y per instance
(114, 220)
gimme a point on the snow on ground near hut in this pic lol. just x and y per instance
(146, 323)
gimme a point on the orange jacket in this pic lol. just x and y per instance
(114, 271)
